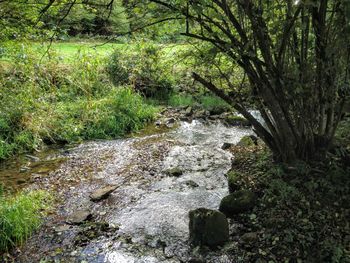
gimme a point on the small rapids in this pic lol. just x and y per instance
(146, 217)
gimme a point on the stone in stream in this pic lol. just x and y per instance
(226, 146)
(176, 172)
(237, 202)
(79, 217)
(188, 111)
(102, 193)
(208, 228)
(32, 158)
(191, 184)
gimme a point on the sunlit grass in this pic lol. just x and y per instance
(20, 215)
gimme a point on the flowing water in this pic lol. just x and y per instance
(146, 218)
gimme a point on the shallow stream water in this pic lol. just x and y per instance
(146, 218)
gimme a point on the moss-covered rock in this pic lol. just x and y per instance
(208, 228)
(235, 120)
(248, 140)
(233, 181)
(237, 202)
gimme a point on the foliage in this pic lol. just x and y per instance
(143, 69)
(292, 59)
(50, 102)
(303, 209)
(181, 100)
(214, 104)
(20, 215)
(35, 19)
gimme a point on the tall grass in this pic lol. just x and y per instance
(20, 215)
(50, 101)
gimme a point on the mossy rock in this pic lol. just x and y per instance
(235, 120)
(208, 228)
(237, 202)
(247, 141)
(233, 181)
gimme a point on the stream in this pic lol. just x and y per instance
(145, 220)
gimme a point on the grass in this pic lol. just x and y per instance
(20, 215)
(57, 102)
(181, 100)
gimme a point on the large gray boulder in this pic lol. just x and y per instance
(237, 202)
(208, 228)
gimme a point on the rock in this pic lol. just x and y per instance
(158, 123)
(233, 182)
(250, 237)
(237, 121)
(186, 119)
(237, 202)
(208, 228)
(174, 172)
(32, 158)
(102, 193)
(188, 111)
(191, 183)
(217, 111)
(79, 217)
(24, 169)
(196, 260)
(170, 121)
(248, 140)
(62, 228)
(21, 181)
(226, 145)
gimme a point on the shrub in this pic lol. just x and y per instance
(214, 104)
(179, 100)
(54, 102)
(143, 69)
(20, 216)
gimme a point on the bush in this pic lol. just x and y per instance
(54, 102)
(214, 104)
(143, 69)
(20, 216)
(179, 100)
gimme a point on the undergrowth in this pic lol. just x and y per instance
(20, 215)
(303, 210)
(48, 102)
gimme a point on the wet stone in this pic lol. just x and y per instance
(208, 227)
(102, 193)
(191, 184)
(176, 172)
(226, 146)
(62, 228)
(79, 217)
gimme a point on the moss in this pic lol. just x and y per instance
(208, 228)
(246, 141)
(236, 120)
(237, 202)
(233, 181)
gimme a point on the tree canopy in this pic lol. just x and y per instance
(294, 60)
